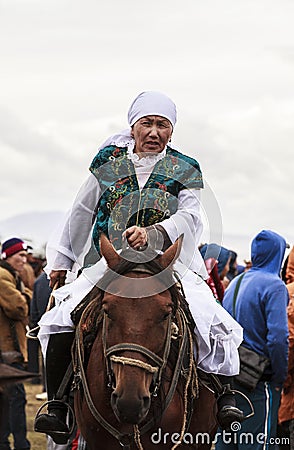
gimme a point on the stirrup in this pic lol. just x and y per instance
(228, 390)
(251, 413)
(59, 437)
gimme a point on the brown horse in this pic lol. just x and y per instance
(135, 376)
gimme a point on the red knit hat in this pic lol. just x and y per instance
(12, 246)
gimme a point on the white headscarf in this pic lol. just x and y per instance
(152, 103)
(148, 103)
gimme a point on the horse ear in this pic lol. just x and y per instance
(109, 252)
(172, 253)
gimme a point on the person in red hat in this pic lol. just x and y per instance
(14, 310)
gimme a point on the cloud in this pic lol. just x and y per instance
(251, 174)
(68, 75)
(46, 164)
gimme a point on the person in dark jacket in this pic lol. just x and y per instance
(41, 294)
(261, 309)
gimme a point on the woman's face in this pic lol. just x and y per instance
(151, 134)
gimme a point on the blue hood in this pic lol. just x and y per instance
(267, 251)
(221, 254)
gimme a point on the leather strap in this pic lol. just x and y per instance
(235, 294)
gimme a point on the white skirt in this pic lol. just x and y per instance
(218, 334)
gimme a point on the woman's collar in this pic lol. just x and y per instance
(145, 160)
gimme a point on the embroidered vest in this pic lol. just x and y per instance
(122, 204)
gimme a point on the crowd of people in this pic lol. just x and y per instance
(143, 191)
(266, 281)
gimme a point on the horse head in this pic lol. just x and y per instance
(138, 305)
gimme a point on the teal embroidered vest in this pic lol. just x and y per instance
(122, 204)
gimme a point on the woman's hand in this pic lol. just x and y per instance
(136, 236)
(57, 277)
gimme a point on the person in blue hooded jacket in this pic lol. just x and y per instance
(260, 309)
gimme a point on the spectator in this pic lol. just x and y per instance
(41, 294)
(248, 264)
(37, 260)
(290, 268)
(235, 268)
(33, 267)
(286, 411)
(14, 312)
(260, 308)
(28, 276)
(216, 259)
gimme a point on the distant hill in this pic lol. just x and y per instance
(35, 226)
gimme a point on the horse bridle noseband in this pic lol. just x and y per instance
(160, 363)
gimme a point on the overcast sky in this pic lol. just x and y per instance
(71, 68)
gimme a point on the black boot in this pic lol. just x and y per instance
(226, 402)
(58, 359)
(54, 423)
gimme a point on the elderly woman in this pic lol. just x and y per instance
(139, 186)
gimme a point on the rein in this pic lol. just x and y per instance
(180, 332)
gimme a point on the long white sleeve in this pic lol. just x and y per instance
(72, 239)
(187, 220)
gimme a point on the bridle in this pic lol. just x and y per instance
(155, 366)
(159, 363)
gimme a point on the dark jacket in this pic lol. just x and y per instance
(41, 294)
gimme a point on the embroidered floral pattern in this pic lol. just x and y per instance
(122, 204)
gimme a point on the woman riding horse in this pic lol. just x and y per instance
(145, 191)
